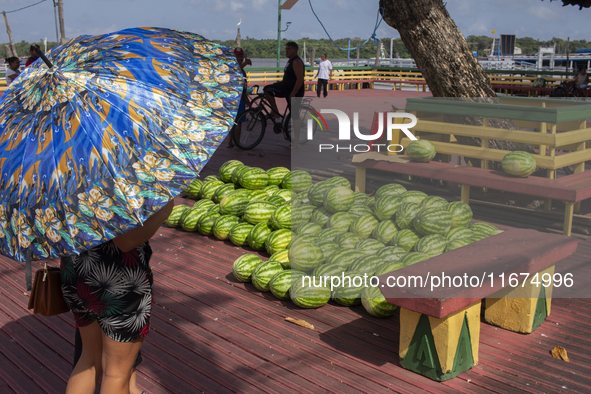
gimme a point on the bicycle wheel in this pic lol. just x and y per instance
(577, 93)
(308, 125)
(249, 129)
(559, 92)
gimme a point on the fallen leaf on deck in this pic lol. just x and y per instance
(250, 154)
(261, 154)
(300, 322)
(560, 353)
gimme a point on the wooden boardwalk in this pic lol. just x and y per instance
(213, 334)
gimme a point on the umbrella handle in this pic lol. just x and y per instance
(42, 56)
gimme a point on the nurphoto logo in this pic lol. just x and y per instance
(394, 121)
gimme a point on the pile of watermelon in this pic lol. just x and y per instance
(338, 232)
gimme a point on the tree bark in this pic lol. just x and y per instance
(442, 54)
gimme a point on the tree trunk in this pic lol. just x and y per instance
(445, 59)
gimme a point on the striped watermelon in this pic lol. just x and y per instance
(301, 214)
(297, 181)
(394, 257)
(239, 232)
(204, 203)
(360, 210)
(458, 232)
(211, 178)
(340, 181)
(233, 204)
(384, 231)
(364, 225)
(369, 246)
(241, 192)
(406, 214)
(366, 265)
(458, 243)
(413, 196)
(388, 267)
(371, 202)
(214, 208)
(271, 189)
(281, 283)
(413, 257)
(206, 222)
(391, 251)
(431, 245)
(174, 218)
(328, 234)
(276, 200)
(479, 236)
(375, 303)
(328, 247)
(285, 194)
(223, 225)
(227, 168)
(348, 240)
(391, 189)
(222, 191)
(277, 240)
(461, 214)
(258, 212)
(421, 150)
(258, 235)
(299, 199)
(193, 189)
(360, 198)
(276, 175)
(244, 265)
(519, 164)
(263, 273)
(303, 238)
(305, 256)
(309, 292)
(317, 192)
(432, 221)
(237, 172)
(344, 257)
(483, 228)
(434, 201)
(283, 257)
(190, 217)
(253, 179)
(405, 239)
(341, 221)
(281, 218)
(209, 188)
(338, 199)
(328, 270)
(308, 228)
(386, 207)
(257, 195)
(349, 292)
(321, 216)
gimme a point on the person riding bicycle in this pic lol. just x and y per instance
(292, 84)
(243, 61)
(582, 78)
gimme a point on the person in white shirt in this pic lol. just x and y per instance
(582, 78)
(12, 69)
(324, 74)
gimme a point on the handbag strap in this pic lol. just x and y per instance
(28, 270)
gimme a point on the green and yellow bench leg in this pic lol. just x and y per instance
(440, 349)
(521, 309)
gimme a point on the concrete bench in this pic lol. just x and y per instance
(570, 189)
(440, 328)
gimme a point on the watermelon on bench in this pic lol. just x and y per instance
(440, 329)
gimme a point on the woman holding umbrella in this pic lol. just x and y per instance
(95, 143)
(111, 340)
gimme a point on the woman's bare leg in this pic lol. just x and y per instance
(118, 360)
(133, 387)
(88, 370)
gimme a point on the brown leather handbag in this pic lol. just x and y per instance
(46, 295)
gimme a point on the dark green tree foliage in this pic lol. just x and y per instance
(581, 3)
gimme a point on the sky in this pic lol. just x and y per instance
(217, 19)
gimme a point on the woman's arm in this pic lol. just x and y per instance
(133, 238)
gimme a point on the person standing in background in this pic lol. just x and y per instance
(12, 69)
(34, 55)
(324, 74)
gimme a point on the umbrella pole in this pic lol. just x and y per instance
(43, 57)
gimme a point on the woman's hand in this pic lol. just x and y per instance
(133, 238)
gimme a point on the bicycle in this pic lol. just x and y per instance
(567, 89)
(253, 123)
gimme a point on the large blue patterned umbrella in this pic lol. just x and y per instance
(94, 145)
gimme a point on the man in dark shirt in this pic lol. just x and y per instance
(292, 84)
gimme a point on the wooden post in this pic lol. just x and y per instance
(550, 173)
(568, 218)
(60, 12)
(465, 194)
(12, 47)
(581, 166)
(484, 144)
